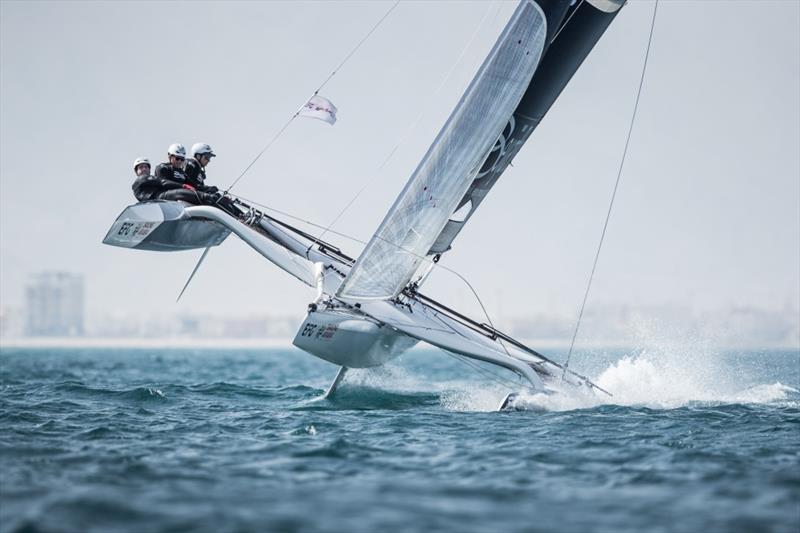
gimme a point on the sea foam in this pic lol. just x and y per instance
(661, 380)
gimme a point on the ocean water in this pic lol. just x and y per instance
(151, 440)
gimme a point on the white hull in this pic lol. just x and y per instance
(349, 340)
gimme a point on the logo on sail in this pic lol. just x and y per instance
(498, 150)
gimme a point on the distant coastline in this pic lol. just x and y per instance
(137, 342)
(255, 343)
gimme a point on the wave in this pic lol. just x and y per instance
(661, 378)
(663, 381)
(136, 394)
(666, 372)
(388, 387)
(228, 389)
(357, 397)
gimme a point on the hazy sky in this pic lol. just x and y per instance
(708, 212)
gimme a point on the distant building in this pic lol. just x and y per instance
(54, 305)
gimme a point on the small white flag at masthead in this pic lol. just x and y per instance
(320, 108)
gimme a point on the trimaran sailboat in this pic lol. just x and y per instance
(370, 309)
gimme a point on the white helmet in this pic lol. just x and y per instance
(177, 150)
(202, 149)
(140, 161)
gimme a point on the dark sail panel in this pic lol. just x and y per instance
(583, 25)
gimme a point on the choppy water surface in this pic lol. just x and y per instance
(238, 440)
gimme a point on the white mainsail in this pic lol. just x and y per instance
(443, 176)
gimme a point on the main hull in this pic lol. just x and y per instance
(350, 340)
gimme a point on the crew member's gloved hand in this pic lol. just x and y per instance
(212, 189)
(187, 186)
(213, 198)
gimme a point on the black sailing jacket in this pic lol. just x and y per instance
(149, 187)
(196, 176)
(168, 172)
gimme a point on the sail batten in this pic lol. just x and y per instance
(438, 185)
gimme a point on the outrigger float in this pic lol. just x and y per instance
(370, 310)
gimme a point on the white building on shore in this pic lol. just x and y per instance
(54, 305)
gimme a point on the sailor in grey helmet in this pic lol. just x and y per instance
(196, 167)
(174, 168)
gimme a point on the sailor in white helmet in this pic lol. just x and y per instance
(196, 177)
(196, 167)
(173, 169)
(141, 166)
(143, 188)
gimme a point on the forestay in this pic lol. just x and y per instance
(443, 176)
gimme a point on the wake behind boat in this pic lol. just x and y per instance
(369, 310)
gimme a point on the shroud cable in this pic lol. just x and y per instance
(613, 194)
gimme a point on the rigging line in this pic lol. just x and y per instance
(458, 333)
(331, 75)
(413, 125)
(492, 376)
(418, 326)
(566, 22)
(480, 302)
(299, 219)
(257, 157)
(614, 193)
(354, 50)
(497, 11)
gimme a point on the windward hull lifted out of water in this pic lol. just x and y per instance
(163, 226)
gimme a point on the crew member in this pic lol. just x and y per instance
(196, 177)
(196, 167)
(174, 168)
(144, 187)
(141, 166)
